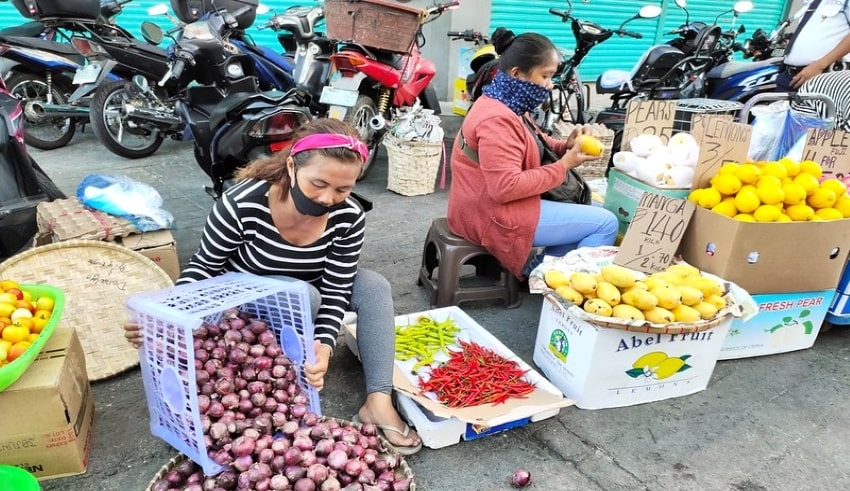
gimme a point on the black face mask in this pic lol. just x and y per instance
(303, 204)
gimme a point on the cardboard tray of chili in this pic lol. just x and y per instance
(454, 380)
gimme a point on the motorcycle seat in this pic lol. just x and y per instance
(653, 63)
(726, 70)
(40, 44)
(232, 105)
(27, 29)
(395, 60)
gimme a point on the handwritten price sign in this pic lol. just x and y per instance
(654, 234)
(650, 118)
(829, 149)
(720, 140)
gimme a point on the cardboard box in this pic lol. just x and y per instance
(785, 322)
(624, 193)
(52, 436)
(599, 367)
(777, 257)
(440, 426)
(159, 246)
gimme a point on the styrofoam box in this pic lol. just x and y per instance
(785, 322)
(168, 318)
(598, 366)
(436, 431)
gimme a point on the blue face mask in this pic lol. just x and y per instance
(519, 95)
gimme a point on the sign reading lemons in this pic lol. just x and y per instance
(658, 366)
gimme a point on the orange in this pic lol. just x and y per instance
(17, 350)
(590, 145)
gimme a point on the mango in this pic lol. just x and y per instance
(684, 313)
(667, 297)
(608, 292)
(640, 299)
(706, 310)
(569, 294)
(707, 285)
(683, 270)
(555, 279)
(598, 306)
(583, 282)
(669, 277)
(690, 295)
(618, 276)
(717, 301)
(653, 282)
(659, 315)
(623, 311)
(590, 145)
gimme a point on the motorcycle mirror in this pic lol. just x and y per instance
(742, 7)
(158, 9)
(262, 9)
(742, 29)
(152, 32)
(649, 11)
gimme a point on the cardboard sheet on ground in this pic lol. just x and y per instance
(546, 396)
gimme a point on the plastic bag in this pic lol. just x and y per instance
(122, 196)
(767, 130)
(793, 137)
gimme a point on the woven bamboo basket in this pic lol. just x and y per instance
(413, 165)
(96, 277)
(403, 468)
(594, 169)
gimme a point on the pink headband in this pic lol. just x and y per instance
(330, 140)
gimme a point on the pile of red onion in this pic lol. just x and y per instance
(256, 422)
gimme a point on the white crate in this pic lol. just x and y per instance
(168, 318)
(439, 426)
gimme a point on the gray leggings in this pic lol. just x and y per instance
(372, 300)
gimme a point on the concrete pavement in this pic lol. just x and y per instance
(772, 423)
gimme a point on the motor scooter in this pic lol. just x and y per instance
(367, 82)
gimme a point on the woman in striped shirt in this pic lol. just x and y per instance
(292, 215)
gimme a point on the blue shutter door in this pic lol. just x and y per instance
(623, 53)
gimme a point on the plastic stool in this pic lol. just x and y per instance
(449, 253)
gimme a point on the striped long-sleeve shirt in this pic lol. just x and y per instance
(240, 235)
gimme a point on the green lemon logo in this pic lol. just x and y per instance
(559, 345)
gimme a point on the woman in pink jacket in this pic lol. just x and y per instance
(495, 200)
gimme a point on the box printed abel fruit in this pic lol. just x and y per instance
(614, 337)
(785, 322)
(438, 336)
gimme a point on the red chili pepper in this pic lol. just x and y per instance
(476, 375)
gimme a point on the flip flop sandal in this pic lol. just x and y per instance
(399, 449)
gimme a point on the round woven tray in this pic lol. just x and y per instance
(96, 277)
(402, 464)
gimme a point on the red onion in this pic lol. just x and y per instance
(367, 475)
(318, 473)
(229, 401)
(227, 479)
(242, 463)
(258, 399)
(243, 446)
(248, 336)
(521, 478)
(369, 456)
(402, 484)
(265, 441)
(225, 372)
(218, 353)
(266, 338)
(265, 455)
(298, 410)
(242, 481)
(237, 356)
(251, 433)
(289, 428)
(175, 479)
(302, 443)
(213, 330)
(304, 484)
(203, 402)
(263, 423)
(269, 406)
(258, 326)
(368, 429)
(224, 386)
(279, 446)
(292, 456)
(245, 406)
(257, 350)
(324, 447)
(265, 375)
(319, 430)
(294, 472)
(337, 460)
(331, 484)
(273, 350)
(353, 467)
(308, 458)
(231, 337)
(310, 419)
(249, 373)
(193, 486)
(201, 354)
(277, 464)
(222, 457)
(256, 387)
(279, 482)
(216, 410)
(200, 332)
(217, 430)
(237, 324)
(212, 365)
(283, 360)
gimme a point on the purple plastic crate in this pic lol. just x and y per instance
(168, 318)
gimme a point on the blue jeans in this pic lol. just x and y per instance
(567, 226)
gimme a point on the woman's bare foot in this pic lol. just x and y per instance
(379, 410)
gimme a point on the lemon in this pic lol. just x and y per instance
(838, 187)
(767, 213)
(590, 145)
(792, 167)
(747, 200)
(794, 193)
(726, 207)
(784, 218)
(768, 180)
(694, 195)
(843, 205)
(747, 173)
(829, 214)
(729, 168)
(770, 194)
(809, 182)
(822, 198)
(812, 168)
(774, 169)
(744, 217)
(709, 197)
(727, 184)
(800, 213)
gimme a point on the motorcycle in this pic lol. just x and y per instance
(231, 121)
(24, 183)
(484, 56)
(569, 101)
(367, 83)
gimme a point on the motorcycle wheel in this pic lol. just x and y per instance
(48, 187)
(359, 116)
(39, 132)
(125, 139)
